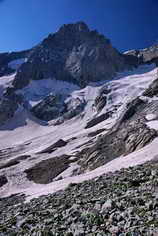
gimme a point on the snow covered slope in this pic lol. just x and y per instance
(24, 137)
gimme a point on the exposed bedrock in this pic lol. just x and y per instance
(45, 171)
(142, 56)
(130, 133)
(75, 54)
(54, 146)
(152, 90)
(3, 180)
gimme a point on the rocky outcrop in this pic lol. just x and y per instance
(132, 108)
(45, 171)
(3, 180)
(130, 133)
(101, 99)
(152, 90)
(73, 107)
(54, 146)
(126, 139)
(8, 108)
(49, 108)
(97, 120)
(75, 54)
(6, 58)
(54, 106)
(142, 56)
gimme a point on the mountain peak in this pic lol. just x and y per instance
(74, 54)
(74, 27)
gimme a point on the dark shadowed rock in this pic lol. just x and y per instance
(6, 58)
(97, 120)
(45, 171)
(101, 99)
(49, 108)
(7, 109)
(143, 56)
(95, 133)
(152, 90)
(3, 180)
(131, 109)
(58, 144)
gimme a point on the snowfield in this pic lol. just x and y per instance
(26, 135)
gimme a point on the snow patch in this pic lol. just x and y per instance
(5, 81)
(15, 64)
(153, 124)
(150, 117)
(39, 89)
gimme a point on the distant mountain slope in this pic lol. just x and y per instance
(73, 108)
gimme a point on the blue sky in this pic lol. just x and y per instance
(128, 23)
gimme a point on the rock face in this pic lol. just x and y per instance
(74, 54)
(50, 108)
(3, 180)
(54, 106)
(58, 144)
(45, 171)
(101, 99)
(152, 90)
(7, 109)
(130, 133)
(6, 58)
(97, 120)
(126, 139)
(143, 56)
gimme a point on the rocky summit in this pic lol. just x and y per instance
(74, 53)
(79, 137)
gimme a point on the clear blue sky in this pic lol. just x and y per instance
(128, 23)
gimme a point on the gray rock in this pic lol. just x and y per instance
(138, 57)
(3, 180)
(121, 140)
(49, 108)
(54, 146)
(107, 206)
(152, 90)
(8, 108)
(45, 171)
(97, 120)
(101, 99)
(5, 58)
(74, 54)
